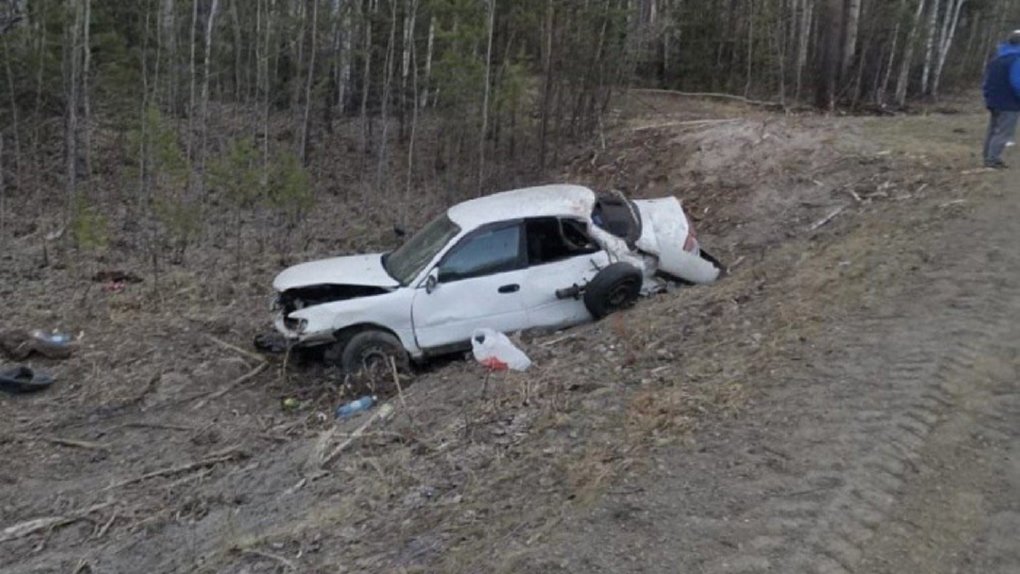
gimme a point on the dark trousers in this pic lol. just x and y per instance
(1001, 130)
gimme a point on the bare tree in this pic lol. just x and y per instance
(853, 21)
(902, 81)
(309, 82)
(946, 41)
(485, 98)
(206, 67)
(72, 83)
(929, 47)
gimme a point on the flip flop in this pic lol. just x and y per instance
(23, 380)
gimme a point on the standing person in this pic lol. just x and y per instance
(1002, 97)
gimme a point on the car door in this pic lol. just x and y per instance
(478, 284)
(560, 255)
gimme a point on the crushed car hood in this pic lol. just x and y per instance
(364, 270)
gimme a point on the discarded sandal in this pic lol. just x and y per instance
(23, 380)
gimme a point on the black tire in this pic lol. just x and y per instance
(614, 288)
(371, 351)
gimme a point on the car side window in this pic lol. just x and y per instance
(485, 252)
(551, 239)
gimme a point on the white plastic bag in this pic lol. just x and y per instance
(495, 350)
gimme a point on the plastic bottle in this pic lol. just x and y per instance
(354, 407)
(53, 338)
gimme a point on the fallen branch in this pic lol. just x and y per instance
(221, 456)
(712, 95)
(383, 412)
(236, 349)
(685, 123)
(23, 529)
(76, 443)
(827, 218)
(238, 381)
(286, 563)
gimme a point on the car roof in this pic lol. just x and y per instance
(561, 200)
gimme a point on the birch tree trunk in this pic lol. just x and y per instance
(309, 82)
(929, 47)
(15, 126)
(485, 97)
(366, 75)
(168, 43)
(211, 22)
(71, 121)
(428, 60)
(804, 43)
(850, 43)
(947, 43)
(884, 86)
(903, 80)
(86, 104)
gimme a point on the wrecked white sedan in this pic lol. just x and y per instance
(541, 257)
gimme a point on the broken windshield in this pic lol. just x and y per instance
(409, 259)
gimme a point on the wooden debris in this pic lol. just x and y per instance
(87, 445)
(827, 218)
(218, 457)
(383, 412)
(255, 357)
(28, 527)
(229, 387)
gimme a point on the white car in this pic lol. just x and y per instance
(541, 257)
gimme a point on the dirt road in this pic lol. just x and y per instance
(845, 401)
(893, 442)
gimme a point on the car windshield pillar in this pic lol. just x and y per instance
(408, 260)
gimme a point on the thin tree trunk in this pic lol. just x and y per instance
(947, 43)
(190, 140)
(387, 86)
(884, 86)
(3, 197)
(805, 40)
(169, 45)
(485, 97)
(547, 84)
(903, 80)
(428, 60)
(15, 126)
(71, 125)
(829, 60)
(406, 204)
(366, 76)
(205, 94)
(308, 84)
(235, 20)
(750, 48)
(850, 43)
(929, 48)
(86, 104)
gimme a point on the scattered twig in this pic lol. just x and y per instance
(229, 387)
(952, 203)
(269, 555)
(383, 412)
(827, 218)
(685, 123)
(76, 443)
(552, 342)
(23, 529)
(733, 265)
(106, 526)
(854, 195)
(159, 426)
(710, 95)
(236, 349)
(218, 457)
(400, 391)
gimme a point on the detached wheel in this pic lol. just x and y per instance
(612, 289)
(369, 352)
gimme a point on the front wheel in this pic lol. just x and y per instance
(370, 352)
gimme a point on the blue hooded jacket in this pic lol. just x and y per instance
(1002, 80)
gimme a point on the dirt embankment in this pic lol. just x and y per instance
(147, 456)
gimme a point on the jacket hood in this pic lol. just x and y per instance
(362, 270)
(1007, 49)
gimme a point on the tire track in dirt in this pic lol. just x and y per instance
(845, 442)
(979, 324)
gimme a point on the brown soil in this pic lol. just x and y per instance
(840, 402)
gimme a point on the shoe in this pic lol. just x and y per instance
(997, 164)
